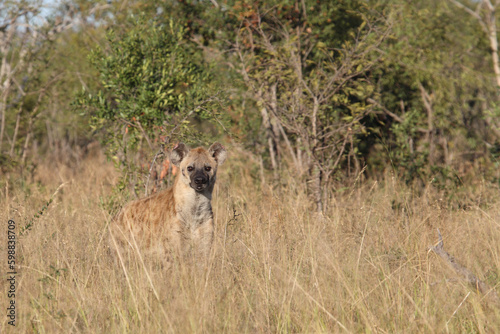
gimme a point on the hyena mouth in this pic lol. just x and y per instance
(199, 187)
(199, 183)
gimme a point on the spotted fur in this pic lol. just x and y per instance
(180, 218)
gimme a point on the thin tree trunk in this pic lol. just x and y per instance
(316, 189)
(2, 126)
(278, 128)
(50, 138)
(316, 175)
(30, 126)
(3, 110)
(298, 166)
(299, 154)
(262, 175)
(492, 36)
(26, 142)
(14, 138)
(4, 82)
(271, 143)
(430, 121)
(274, 108)
(488, 24)
(269, 134)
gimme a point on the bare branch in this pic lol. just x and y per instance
(159, 153)
(215, 3)
(473, 13)
(387, 111)
(390, 113)
(489, 5)
(464, 272)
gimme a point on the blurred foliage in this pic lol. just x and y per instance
(413, 90)
(437, 48)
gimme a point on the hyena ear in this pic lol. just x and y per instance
(218, 152)
(178, 153)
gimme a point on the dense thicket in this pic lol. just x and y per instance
(327, 89)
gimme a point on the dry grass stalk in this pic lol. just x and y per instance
(275, 267)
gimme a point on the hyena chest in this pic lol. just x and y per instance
(195, 216)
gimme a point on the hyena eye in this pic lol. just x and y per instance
(208, 168)
(190, 168)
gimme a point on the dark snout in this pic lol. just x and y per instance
(199, 181)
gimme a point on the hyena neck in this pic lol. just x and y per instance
(192, 207)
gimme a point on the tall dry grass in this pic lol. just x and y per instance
(277, 267)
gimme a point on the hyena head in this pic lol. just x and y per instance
(198, 167)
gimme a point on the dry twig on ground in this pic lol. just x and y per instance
(484, 288)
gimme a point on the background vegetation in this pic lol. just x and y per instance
(355, 130)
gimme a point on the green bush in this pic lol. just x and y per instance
(155, 85)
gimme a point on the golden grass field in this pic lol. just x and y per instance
(365, 267)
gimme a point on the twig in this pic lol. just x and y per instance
(390, 113)
(199, 106)
(37, 215)
(144, 133)
(464, 272)
(160, 152)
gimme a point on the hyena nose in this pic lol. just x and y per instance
(200, 180)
